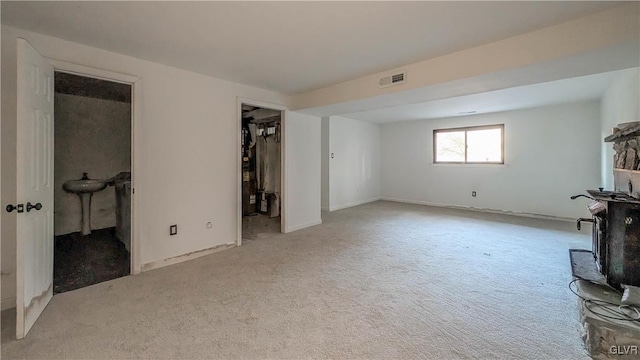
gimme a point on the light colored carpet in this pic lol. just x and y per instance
(378, 281)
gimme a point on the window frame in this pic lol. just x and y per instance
(466, 129)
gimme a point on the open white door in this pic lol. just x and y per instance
(34, 187)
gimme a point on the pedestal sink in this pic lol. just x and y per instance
(85, 187)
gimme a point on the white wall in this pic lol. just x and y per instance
(185, 151)
(620, 103)
(325, 134)
(354, 171)
(302, 173)
(551, 153)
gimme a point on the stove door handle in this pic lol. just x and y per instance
(581, 195)
(585, 220)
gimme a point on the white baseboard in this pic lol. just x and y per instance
(492, 211)
(186, 257)
(8, 303)
(356, 203)
(302, 226)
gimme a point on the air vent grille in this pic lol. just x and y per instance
(391, 80)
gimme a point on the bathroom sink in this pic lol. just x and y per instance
(84, 186)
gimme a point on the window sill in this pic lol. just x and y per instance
(470, 165)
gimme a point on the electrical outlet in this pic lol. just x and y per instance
(473, 193)
(209, 225)
(173, 230)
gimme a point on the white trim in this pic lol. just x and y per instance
(471, 165)
(283, 120)
(186, 257)
(136, 116)
(492, 211)
(303, 226)
(283, 170)
(261, 104)
(356, 203)
(71, 68)
(239, 172)
(8, 303)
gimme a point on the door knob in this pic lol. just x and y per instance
(18, 207)
(30, 206)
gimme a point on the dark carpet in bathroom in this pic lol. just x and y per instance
(81, 261)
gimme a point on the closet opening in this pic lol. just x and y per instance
(261, 159)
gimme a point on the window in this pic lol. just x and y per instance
(469, 145)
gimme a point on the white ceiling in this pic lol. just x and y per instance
(576, 89)
(289, 47)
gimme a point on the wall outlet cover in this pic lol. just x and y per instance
(173, 230)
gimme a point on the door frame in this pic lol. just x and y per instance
(283, 161)
(136, 114)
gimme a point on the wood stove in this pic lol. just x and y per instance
(616, 214)
(616, 237)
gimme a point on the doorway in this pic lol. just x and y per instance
(92, 147)
(35, 176)
(261, 170)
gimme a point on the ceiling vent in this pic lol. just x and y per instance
(391, 80)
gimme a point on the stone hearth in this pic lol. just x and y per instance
(607, 338)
